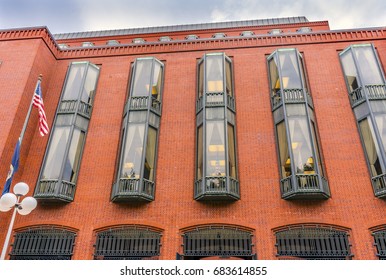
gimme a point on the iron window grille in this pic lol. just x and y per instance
(380, 243)
(60, 168)
(135, 179)
(127, 243)
(366, 86)
(300, 158)
(43, 243)
(313, 243)
(219, 241)
(216, 156)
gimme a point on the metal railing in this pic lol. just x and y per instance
(55, 190)
(129, 188)
(142, 103)
(304, 184)
(379, 185)
(296, 95)
(217, 186)
(376, 91)
(70, 106)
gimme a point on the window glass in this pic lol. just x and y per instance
(232, 152)
(89, 85)
(289, 70)
(56, 153)
(228, 72)
(150, 154)
(285, 161)
(74, 81)
(350, 70)
(316, 145)
(214, 73)
(302, 70)
(63, 120)
(199, 153)
(142, 77)
(200, 79)
(72, 161)
(215, 143)
(301, 145)
(371, 147)
(381, 123)
(368, 66)
(157, 82)
(274, 75)
(131, 167)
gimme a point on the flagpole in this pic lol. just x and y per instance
(29, 111)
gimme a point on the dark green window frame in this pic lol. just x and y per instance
(221, 241)
(216, 156)
(136, 172)
(127, 243)
(366, 86)
(61, 164)
(43, 243)
(299, 152)
(380, 243)
(313, 242)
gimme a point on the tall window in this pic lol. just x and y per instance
(217, 241)
(127, 243)
(43, 243)
(216, 158)
(58, 176)
(137, 162)
(313, 243)
(300, 161)
(366, 87)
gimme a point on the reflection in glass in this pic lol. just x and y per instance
(274, 75)
(232, 152)
(56, 153)
(131, 167)
(215, 143)
(199, 153)
(285, 161)
(301, 145)
(371, 146)
(350, 71)
(142, 78)
(229, 80)
(200, 79)
(368, 66)
(214, 74)
(74, 81)
(89, 85)
(157, 81)
(72, 161)
(289, 70)
(150, 154)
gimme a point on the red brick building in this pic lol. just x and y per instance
(249, 139)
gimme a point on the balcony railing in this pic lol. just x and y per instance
(374, 92)
(290, 96)
(135, 189)
(142, 103)
(55, 191)
(214, 99)
(217, 188)
(303, 186)
(71, 106)
(379, 185)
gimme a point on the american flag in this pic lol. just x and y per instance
(38, 103)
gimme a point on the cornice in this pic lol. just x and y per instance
(147, 48)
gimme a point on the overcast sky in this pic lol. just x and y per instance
(86, 15)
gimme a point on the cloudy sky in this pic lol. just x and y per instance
(62, 16)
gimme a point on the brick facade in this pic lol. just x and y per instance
(26, 53)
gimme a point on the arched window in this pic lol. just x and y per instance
(127, 243)
(43, 243)
(313, 243)
(217, 241)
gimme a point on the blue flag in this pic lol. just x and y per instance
(13, 168)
